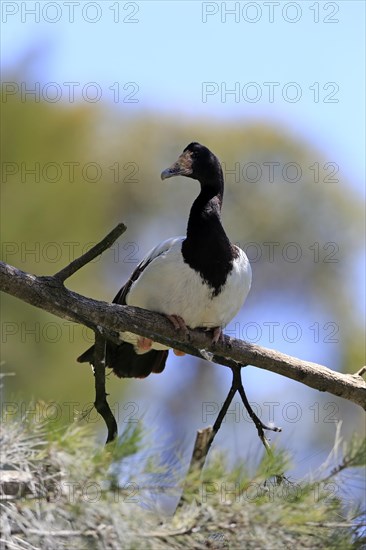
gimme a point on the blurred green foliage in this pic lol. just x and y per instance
(45, 223)
(73, 496)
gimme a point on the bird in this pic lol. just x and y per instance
(199, 280)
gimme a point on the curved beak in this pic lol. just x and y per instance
(182, 167)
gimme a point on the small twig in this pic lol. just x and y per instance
(166, 534)
(95, 251)
(361, 372)
(107, 320)
(42, 292)
(101, 403)
(202, 444)
(237, 385)
(257, 421)
(205, 437)
(204, 440)
(223, 411)
(63, 533)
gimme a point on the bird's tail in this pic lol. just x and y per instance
(126, 363)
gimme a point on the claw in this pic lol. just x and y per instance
(217, 334)
(177, 322)
(144, 344)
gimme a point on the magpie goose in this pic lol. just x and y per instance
(200, 280)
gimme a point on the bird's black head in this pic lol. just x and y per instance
(195, 162)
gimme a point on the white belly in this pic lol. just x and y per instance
(168, 285)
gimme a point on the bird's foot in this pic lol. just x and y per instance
(144, 344)
(178, 323)
(178, 352)
(217, 335)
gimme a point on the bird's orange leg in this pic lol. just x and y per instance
(217, 334)
(178, 324)
(144, 344)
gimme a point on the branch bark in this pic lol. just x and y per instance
(101, 403)
(50, 294)
(89, 256)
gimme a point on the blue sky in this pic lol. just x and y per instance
(179, 58)
(169, 52)
(169, 49)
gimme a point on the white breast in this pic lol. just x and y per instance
(169, 285)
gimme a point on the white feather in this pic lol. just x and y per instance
(169, 285)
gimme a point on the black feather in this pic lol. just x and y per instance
(206, 249)
(122, 358)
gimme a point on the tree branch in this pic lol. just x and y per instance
(89, 256)
(101, 403)
(49, 294)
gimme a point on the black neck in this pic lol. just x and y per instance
(206, 209)
(207, 249)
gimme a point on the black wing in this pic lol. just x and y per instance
(122, 358)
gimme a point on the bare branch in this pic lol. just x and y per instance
(89, 256)
(206, 436)
(101, 403)
(361, 372)
(107, 320)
